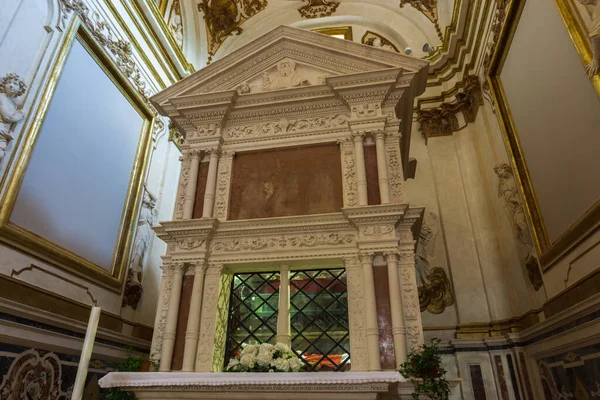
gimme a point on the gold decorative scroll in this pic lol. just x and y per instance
(224, 18)
(429, 9)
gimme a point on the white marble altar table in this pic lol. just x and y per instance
(257, 386)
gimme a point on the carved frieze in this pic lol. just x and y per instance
(283, 242)
(443, 120)
(11, 88)
(224, 18)
(366, 110)
(190, 243)
(283, 126)
(377, 231)
(318, 8)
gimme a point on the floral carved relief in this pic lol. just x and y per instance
(349, 173)
(356, 314)
(161, 318)
(11, 88)
(204, 359)
(176, 24)
(223, 185)
(396, 177)
(224, 18)
(32, 376)
(285, 126)
(183, 182)
(410, 300)
(283, 242)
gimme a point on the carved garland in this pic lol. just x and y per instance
(161, 320)
(410, 299)
(209, 314)
(183, 182)
(395, 170)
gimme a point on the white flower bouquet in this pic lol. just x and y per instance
(265, 358)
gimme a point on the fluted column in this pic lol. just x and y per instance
(193, 324)
(172, 314)
(371, 311)
(192, 182)
(211, 182)
(283, 313)
(382, 170)
(361, 172)
(398, 327)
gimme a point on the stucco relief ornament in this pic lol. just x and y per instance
(593, 68)
(508, 191)
(435, 289)
(133, 286)
(286, 77)
(318, 8)
(11, 87)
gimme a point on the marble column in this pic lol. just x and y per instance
(192, 182)
(398, 327)
(211, 183)
(193, 324)
(382, 170)
(361, 172)
(283, 313)
(172, 314)
(371, 313)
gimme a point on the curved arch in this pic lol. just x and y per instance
(406, 27)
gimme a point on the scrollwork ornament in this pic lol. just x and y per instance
(318, 8)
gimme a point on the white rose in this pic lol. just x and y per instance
(283, 348)
(281, 364)
(295, 364)
(264, 358)
(250, 349)
(248, 360)
(266, 348)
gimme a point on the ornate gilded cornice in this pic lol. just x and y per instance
(445, 119)
(224, 18)
(318, 8)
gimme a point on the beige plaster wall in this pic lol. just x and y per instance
(557, 115)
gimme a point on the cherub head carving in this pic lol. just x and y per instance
(503, 170)
(12, 85)
(286, 68)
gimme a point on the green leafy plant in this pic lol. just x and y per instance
(131, 364)
(424, 368)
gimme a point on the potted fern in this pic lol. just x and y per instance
(424, 368)
(133, 363)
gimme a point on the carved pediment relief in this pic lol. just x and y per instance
(315, 57)
(286, 74)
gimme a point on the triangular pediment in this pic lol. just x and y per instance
(287, 58)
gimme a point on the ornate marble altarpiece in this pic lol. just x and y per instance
(292, 88)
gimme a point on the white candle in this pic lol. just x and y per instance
(86, 353)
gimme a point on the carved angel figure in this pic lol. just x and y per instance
(286, 77)
(133, 287)
(507, 189)
(593, 68)
(11, 87)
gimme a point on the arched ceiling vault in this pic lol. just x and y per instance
(215, 28)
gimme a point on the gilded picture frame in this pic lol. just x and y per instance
(549, 251)
(17, 237)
